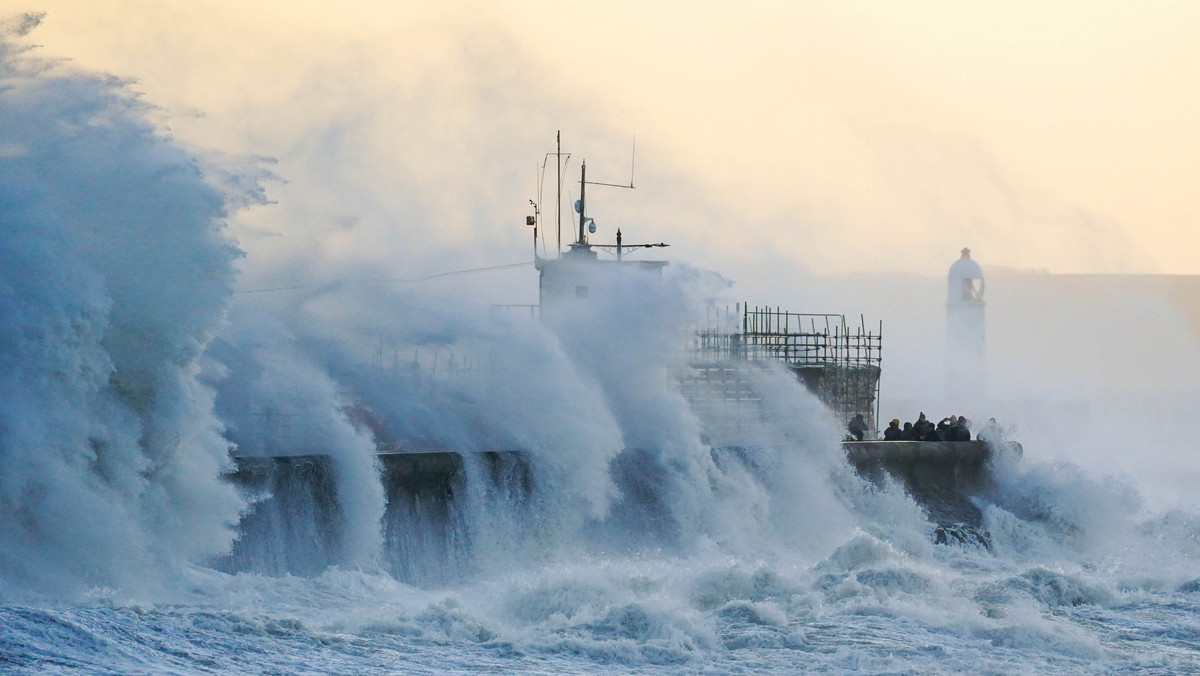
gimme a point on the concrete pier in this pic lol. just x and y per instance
(924, 465)
(942, 476)
(294, 524)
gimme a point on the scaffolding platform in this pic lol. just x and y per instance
(837, 363)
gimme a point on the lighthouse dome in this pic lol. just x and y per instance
(965, 280)
(966, 267)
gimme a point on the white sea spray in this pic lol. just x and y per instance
(115, 275)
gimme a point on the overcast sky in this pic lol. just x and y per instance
(812, 136)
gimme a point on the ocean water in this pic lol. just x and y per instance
(131, 367)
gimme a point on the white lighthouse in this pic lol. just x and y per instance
(965, 335)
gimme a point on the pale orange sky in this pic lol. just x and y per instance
(835, 136)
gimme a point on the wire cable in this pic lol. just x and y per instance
(385, 280)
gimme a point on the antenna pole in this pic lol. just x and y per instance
(537, 213)
(632, 161)
(582, 203)
(558, 192)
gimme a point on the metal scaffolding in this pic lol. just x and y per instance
(837, 363)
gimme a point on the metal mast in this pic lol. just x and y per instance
(558, 191)
(582, 199)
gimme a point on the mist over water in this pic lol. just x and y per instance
(131, 370)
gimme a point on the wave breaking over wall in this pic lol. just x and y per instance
(114, 275)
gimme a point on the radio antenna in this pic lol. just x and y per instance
(632, 160)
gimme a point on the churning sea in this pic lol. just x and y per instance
(868, 607)
(129, 366)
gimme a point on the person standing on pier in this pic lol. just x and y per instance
(893, 432)
(857, 427)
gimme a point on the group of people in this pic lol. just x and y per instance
(950, 428)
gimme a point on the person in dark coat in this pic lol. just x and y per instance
(923, 427)
(962, 430)
(892, 433)
(857, 427)
(908, 433)
(945, 428)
